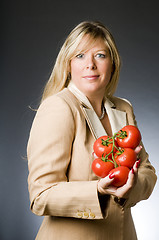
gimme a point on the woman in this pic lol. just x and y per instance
(77, 107)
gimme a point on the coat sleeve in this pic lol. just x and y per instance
(49, 153)
(146, 173)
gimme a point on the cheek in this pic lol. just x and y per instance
(75, 68)
(108, 69)
(107, 75)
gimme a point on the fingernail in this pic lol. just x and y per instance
(93, 154)
(132, 170)
(138, 163)
(111, 175)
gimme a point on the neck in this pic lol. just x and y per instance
(95, 99)
(96, 104)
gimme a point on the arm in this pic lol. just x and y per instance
(49, 156)
(146, 177)
(145, 181)
(141, 181)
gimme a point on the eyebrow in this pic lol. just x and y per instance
(98, 50)
(105, 50)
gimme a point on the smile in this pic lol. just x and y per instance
(91, 77)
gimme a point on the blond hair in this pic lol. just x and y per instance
(61, 76)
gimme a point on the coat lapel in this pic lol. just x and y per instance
(117, 118)
(93, 122)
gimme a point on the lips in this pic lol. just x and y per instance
(91, 77)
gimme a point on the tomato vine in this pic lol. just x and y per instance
(116, 152)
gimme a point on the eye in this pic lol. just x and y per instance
(100, 55)
(80, 55)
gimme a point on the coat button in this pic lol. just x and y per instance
(92, 215)
(86, 215)
(79, 214)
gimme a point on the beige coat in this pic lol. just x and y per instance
(61, 183)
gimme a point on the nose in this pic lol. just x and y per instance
(90, 64)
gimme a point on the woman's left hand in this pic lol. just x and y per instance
(123, 192)
(104, 185)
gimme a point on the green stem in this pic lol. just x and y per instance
(115, 163)
(112, 151)
(114, 147)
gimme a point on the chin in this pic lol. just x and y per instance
(92, 91)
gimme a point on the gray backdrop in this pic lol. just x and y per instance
(32, 33)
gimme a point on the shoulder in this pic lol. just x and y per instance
(64, 103)
(54, 111)
(52, 104)
(124, 105)
(121, 103)
(64, 97)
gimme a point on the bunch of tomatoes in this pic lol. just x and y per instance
(116, 155)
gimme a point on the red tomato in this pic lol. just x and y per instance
(103, 146)
(128, 137)
(120, 176)
(126, 157)
(101, 168)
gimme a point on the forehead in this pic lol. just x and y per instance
(89, 42)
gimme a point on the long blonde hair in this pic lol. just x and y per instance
(61, 76)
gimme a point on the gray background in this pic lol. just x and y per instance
(32, 33)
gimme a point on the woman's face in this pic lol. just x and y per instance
(91, 70)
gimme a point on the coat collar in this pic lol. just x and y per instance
(117, 118)
(80, 95)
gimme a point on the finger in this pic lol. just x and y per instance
(104, 185)
(133, 173)
(94, 155)
(138, 149)
(107, 180)
(111, 190)
(136, 165)
(111, 176)
(123, 191)
(131, 177)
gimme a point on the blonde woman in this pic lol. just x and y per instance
(77, 107)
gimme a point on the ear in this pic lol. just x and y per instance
(113, 69)
(69, 76)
